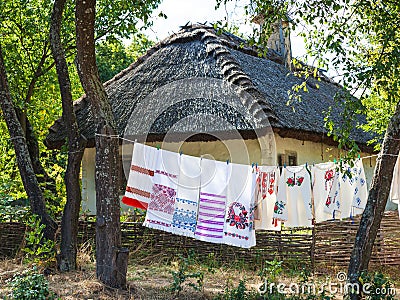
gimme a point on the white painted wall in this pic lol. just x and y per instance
(237, 151)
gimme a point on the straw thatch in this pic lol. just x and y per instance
(199, 52)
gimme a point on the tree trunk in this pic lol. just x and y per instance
(377, 198)
(24, 162)
(111, 259)
(76, 145)
(34, 153)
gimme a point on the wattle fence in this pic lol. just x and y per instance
(328, 244)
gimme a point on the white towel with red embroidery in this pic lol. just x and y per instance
(210, 221)
(140, 180)
(267, 179)
(187, 199)
(160, 210)
(323, 176)
(293, 201)
(239, 218)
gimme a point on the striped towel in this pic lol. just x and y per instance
(210, 222)
(186, 204)
(140, 181)
(162, 201)
(239, 216)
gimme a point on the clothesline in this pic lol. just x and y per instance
(134, 141)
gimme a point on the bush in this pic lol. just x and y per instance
(30, 285)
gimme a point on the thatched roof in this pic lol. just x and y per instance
(261, 86)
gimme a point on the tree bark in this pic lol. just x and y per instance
(34, 153)
(111, 258)
(24, 162)
(377, 198)
(76, 145)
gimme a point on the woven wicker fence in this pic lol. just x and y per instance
(328, 244)
(334, 242)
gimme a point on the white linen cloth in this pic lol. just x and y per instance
(162, 201)
(323, 176)
(293, 201)
(239, 218)
(187, 198)
(210, 221)
(140, 180)
(266, 187)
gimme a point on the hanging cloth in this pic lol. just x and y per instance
(162, 200)
(140, 180)
(293, 201)
(210, 221)
(187, 199)
(239, 215)
(395, 188)
(349, 193)
(323, 176)
(267, 179)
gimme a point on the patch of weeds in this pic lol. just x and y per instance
(38, 249)
(186, 270)
(238, 293)
(30, 285)
(377, 286)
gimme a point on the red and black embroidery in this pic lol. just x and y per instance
(142, 170)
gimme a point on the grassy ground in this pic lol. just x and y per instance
(150, 278)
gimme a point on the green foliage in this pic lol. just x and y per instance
(38, 249)
(238, 293)
(186, 270)
(113, 56)
(30, 285)
(380, 287)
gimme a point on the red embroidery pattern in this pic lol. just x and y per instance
(142, 170)
(162, 199)
(158, 223)
(328, 180)
(166, 174)
(137, 192)
(265, 183)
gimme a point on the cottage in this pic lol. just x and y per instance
(204, 93)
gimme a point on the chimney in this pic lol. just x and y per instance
(279, 40)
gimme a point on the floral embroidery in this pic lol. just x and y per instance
(328, 201)
(265, 182)
(358, 200)
(292, 181)
(238, 217)
(329, 174)
(279, 207)
(356, 191)
(299, 180)
(362, 181)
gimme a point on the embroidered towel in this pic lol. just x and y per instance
(239, 218)
(323, 176)
(360, 188)
(266, 187)
(293, 201)
(140, 180)
(162, 200)
(210, 221)
(348, 195)
(187, 199)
